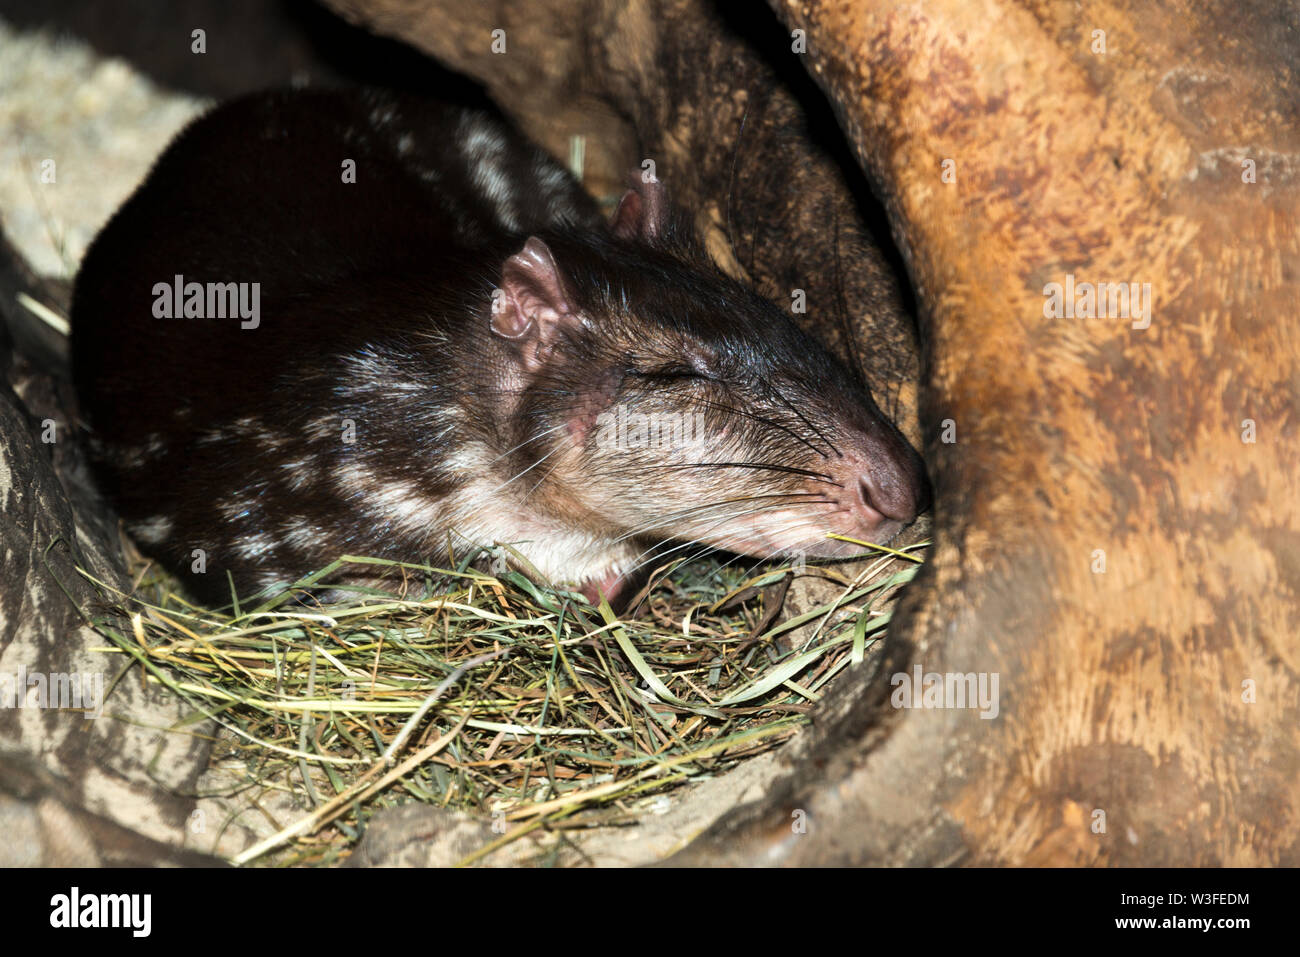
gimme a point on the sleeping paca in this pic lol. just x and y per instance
(359, 323)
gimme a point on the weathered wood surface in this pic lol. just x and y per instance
(1163, 690)
(107, 760)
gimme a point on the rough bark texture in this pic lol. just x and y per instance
(1126, 691)
(121, 766)
(1161, 691)
(1122, 691)
(46, 825)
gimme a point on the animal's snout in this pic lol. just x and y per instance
(876, 505)
(893, 492)
(884, 485)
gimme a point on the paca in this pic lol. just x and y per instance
(358, 323)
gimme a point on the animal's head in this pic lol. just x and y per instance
(655, 396)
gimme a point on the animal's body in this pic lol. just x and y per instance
(452, 350)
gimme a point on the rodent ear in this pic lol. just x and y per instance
(642, 212)
(532, 302)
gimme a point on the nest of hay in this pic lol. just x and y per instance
(487, 694)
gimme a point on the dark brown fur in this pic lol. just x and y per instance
(437, 345)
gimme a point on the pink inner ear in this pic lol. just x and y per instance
(508, 319)
(532, 278)
(641, 211)
(532, 300)
(627, 218)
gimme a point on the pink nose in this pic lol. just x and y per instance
(888, 497)
(883, 484)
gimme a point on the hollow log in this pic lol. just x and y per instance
(1117, 519)
(1117, 511)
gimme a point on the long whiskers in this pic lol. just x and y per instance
(528, 441)
(764, 420)
(656, 552)
(812, 428)
(760, 466)
(695, 512)
(519, 474)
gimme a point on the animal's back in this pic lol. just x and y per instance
(351, 211)
(256, 191)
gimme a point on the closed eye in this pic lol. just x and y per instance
(680, 372)
(667, 373)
